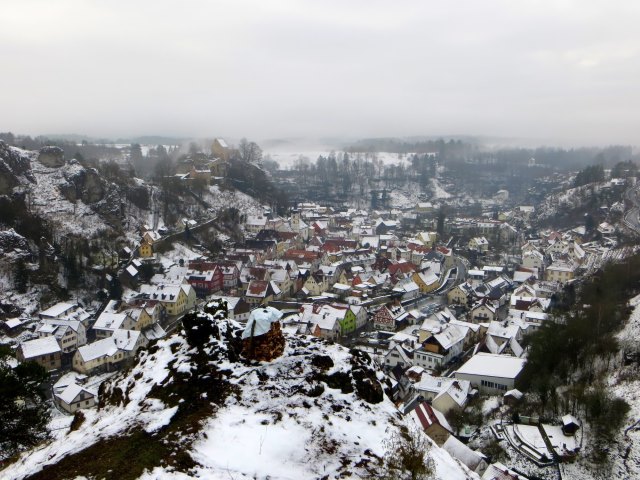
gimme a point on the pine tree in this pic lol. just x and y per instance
(24, 413)
(20, 276)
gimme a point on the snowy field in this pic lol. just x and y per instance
(288, 159)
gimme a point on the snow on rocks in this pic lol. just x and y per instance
(314, 412)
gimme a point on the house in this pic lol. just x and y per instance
(45, 351)
(108, 353)
(254, 224)
(560, 272)
(390, 317)
(109, 322)
(143, 317)
(61, 310)
(206, 282)
(476, 277)
(570, 425)
(218, 167)
(440, 348)
(512, 397)
(424, 207)
(460, 294)
(490, 373)
(479, 244)
(433, 423)
(316, 284)
(145, 250)
(428, 239)
(70, 334)
(474, 461)
(606, 229)
(220, 149)
(533, 259)
(361, 315)
(176, 299)
(443, 393)
(398, 356)
(260, 292)
(483, 311)
(202, 174)
(74, 397)
(427, 281)
(100, 355)
(304, 258)
(408, 289)
(333, 320)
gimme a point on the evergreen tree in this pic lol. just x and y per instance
(23, 410)
(20, 276)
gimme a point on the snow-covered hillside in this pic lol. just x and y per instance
(201, 411)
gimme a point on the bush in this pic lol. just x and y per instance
(407, 456)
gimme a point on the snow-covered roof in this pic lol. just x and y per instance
(71, 392)
(13, 323)
(109, 321)
(426, 416)
(39, 346)
(459, 450)
(515, 393)
(102, 348)
(491, 365)
(457, 389)
(570, 419)
(58, 309)
(126, 339)
(449, 336)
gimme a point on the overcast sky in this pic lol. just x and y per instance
(548, 70)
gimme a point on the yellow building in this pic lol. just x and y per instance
(427, 282)
(220, 149)
(145, 250)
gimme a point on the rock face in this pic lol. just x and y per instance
(264, 348)
(10, 241)
(51, 157)
(85, 185)
(13, 165)
(139, 195)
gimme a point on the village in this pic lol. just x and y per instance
(442, 307)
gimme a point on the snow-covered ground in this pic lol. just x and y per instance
(69, 218)
(271, 428)
(149, 413)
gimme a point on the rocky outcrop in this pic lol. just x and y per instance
(264, 348)
(51, 157)
(10, 241)
(139, 195)
(85, 185)
(13, 167)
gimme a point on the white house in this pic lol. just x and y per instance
(75, 397)
(70, 334)
(442, 392)
(440, 348)
(491, 374)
